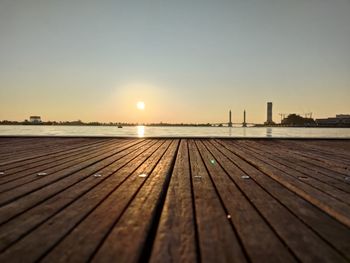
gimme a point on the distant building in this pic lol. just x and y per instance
(338, 120)
(35, 119)
(269, 114)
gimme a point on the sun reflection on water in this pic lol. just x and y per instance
(140, 131)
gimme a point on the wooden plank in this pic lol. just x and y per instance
(59, 172)
(333, 232)
(329, 148)
(12, 174)
(33, 167)
(131, 236)
(38, 214)
(329, 185)
(310, 162)
(301, 240)
(328, 177)
(15, 144)
(342, 146)
(343, 170)
(217, 238)
(331, 205)
(15, 167)
(31, 151)
(304, 162)
(31, 155)
(179, 211)
(6, 141)
(314, 154)
(27, 143)
(40, 195)
(44, 237)
(30, 146)
(317, 147)
(114, 205)
(30, 174)
(87, 233)
(175, 239)
(235, 193)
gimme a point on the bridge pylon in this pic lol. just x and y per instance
(230, 119)
(244, 124)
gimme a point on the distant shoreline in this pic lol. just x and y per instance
(168, 125)
(109, 124)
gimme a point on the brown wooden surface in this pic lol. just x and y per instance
(197, 200)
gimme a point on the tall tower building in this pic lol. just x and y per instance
(230, 119)
(269, 113)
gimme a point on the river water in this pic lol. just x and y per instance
(145, 131)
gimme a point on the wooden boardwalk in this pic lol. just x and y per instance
(174, 200)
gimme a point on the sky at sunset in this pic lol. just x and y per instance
(188, 61)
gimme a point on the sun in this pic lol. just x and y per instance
(140, 105)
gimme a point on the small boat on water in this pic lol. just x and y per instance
(119, 126)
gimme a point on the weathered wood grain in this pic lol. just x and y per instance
(127, 240)
(335, 233)
(335, 207)
(176, 233)
(197, 200)
(69, 193)
(217, 239)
